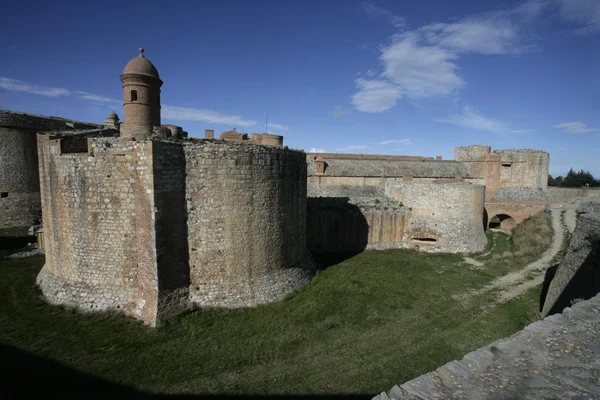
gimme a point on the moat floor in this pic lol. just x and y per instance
(365, 323)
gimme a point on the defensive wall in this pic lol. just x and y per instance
(19, 182)
(392, 202)
(150, 227)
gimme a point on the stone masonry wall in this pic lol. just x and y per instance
(246, 222)
(97, 211)
(445, 217)
(19, 182)
(352, 165)
(557, 195)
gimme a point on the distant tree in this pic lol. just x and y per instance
(574, 179)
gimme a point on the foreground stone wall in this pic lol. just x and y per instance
(445, 217)
(578, 274)
(19, 182)
(246, 223)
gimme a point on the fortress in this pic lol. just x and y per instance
(142, 219)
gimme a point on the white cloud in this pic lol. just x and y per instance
(316, 150)
(370, 73)
(493, 33)
(98, 99)
(582, 12)
(522, 130)
(375, 11)
(472, 119)
(338, 112)
(277, 126)
(19, 86)
(209, 116)
(352, 149)
(375, 96)
(400, 141)
(423, 63)
(420, 71)
(576, 127)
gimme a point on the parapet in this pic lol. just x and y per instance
(37, 122)
(472, 153)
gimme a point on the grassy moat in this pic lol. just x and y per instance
(364, 324)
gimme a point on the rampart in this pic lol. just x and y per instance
(150, 227)
(19, 181)
(246, 222)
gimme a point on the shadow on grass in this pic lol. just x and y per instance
(326, 260)
(26, 376)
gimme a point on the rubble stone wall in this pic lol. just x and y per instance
(246, 223)
(98, 214)
(19, 182)
(445, 217)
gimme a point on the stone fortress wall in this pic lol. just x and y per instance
(450, 201)
(150, 226)
(19, 182)
(246, 219)
(140, 219)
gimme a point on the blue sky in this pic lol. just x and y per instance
(387, 77)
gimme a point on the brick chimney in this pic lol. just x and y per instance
(209, 133)
(319, 165)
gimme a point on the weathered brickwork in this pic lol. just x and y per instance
(246, 223)
(19, 182)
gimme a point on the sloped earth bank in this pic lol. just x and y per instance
(514, 284)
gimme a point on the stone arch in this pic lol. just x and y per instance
(502, 221)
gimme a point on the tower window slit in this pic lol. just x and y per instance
(134, 95)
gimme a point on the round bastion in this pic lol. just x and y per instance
(445, 216)
(246, 223)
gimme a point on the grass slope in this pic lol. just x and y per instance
(363, 325)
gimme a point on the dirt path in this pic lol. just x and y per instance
(514, 284)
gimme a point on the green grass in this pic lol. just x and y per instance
(361, 326)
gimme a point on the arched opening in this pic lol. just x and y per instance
(502, 221)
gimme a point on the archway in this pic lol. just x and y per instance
(502, 221)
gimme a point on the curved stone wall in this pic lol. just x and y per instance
(19, 182)
(445, 217)
(246, 223)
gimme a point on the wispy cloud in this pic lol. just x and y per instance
(375, 12)
(470, 118)
(278, 126)
(196, 114)
(424, 63)
(396, 141)
(353, 149)
(338, 112)
(375, 96)
(168, 112)
(370, 73)
(316, 150)
(585, 13)
(576, 127)
(522, 130)
(15, 85)
(98, 99)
